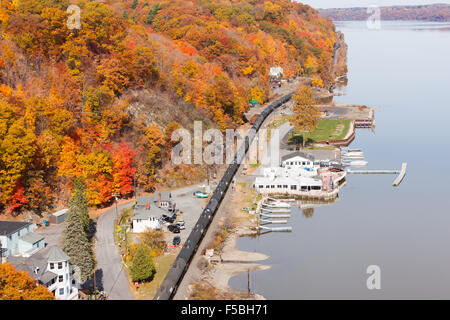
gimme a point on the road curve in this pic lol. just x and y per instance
(113, 278)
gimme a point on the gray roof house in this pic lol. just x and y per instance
(162, 199)
(148, 212)
(51, 269)
(300, 154)
(18, 238)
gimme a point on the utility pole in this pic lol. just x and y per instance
(95, 286)
(248, 282)
(115, 195)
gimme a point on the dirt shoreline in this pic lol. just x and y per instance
(244, 261)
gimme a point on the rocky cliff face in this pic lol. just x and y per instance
(340, 56)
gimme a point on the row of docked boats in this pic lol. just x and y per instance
(271, 205)
(353, 158)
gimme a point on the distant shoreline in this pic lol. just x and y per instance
(429, 13)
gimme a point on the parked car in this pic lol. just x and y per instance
(173, 228)
(180, 226)
(200, 194)
(181, 222)
(176, 241)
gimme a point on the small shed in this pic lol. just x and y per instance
(59, 216)
(254, 103)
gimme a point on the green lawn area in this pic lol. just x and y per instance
(162, 264)
(326, 130)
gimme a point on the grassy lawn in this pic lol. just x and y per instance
(326, 130)
(162, 263)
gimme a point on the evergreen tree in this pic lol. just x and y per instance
(78, 204)
(152, 13)
(142, 267)
(134, 5)
(77, 245)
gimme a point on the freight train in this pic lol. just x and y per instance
(173, 278)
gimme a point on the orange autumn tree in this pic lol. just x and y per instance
(18, 285)
(66, 95)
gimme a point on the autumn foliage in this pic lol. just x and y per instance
(18, 285)
(66, 96)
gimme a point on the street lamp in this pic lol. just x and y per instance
(115, 195)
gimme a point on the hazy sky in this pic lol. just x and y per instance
(365, 3)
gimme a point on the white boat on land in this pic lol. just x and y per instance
(276, 204)
(281, 200)
(276, 210)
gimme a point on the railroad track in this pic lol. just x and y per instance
(176, 273)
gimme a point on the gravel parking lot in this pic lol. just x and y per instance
(189, 208)
(53, 234)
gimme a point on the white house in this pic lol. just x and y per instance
(298, 159)
(144, 221)
(267, 185)
(276, 72)
(290, 172)
(148, 212)
(52, 270)
(17, 238)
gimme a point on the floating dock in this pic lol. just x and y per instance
(263, 221)
(397, 181)
(276, 229)
(275, 216)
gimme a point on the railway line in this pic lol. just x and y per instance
(175, 275)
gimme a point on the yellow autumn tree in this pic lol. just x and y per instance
(18, 285)
(306, 114)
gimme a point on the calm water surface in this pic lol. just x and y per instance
(403, 70)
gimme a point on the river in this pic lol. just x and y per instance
(403, 70)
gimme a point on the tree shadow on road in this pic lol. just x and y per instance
(89, 284)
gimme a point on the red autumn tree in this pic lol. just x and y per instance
(18, 199)
(123, 170)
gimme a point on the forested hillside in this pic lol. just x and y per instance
(434, 12)
(101, 102)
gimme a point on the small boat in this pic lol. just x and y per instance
(357, 163)
(353, 157)
(276, 210)
(352, 154)
(277, 204)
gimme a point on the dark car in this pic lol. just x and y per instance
(169, 219)
(173, 228)
(176, 241)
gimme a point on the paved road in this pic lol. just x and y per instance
(110, 274)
